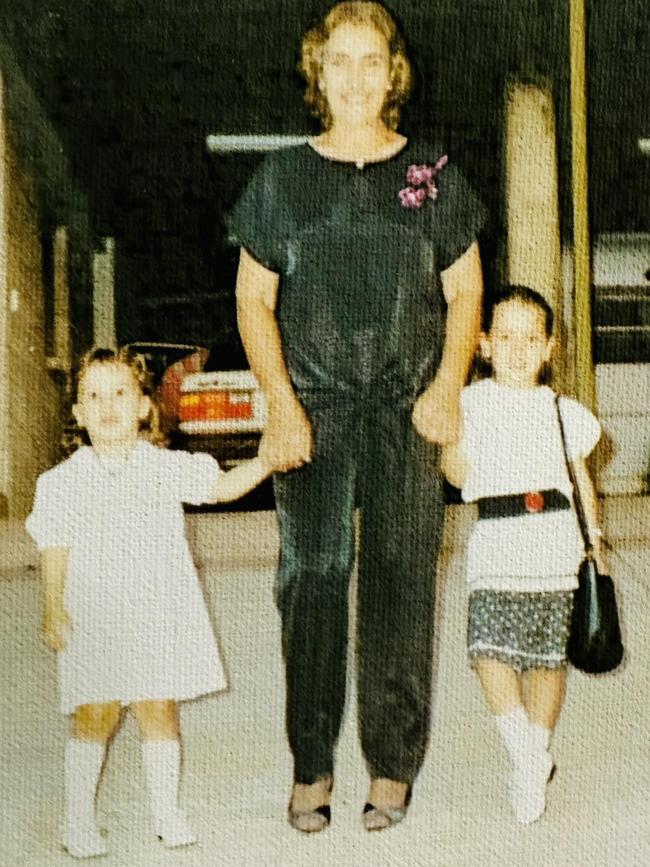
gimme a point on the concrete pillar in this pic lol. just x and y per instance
(4, 308)
(104, 295)
(531, 192)
(61, 358)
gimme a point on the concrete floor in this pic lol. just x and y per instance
(237, 768)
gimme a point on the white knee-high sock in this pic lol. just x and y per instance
(514, 728)
(162, 763)
(83, 765)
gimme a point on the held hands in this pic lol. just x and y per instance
(56, 628)
(287, 442)
(436, 413)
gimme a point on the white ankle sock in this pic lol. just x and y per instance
(514, 729)
(162, 761)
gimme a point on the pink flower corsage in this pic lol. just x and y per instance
(422, 184)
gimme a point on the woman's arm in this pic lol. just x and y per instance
(590, 505)
(56, 621)
(436, 413)
(288, 440)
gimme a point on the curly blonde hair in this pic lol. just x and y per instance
(75, 436)
(361, 12)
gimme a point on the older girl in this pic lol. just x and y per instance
(123, 606)
(525, 549)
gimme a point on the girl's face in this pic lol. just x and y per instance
(356, 74)
(110, 404)
(517, 345)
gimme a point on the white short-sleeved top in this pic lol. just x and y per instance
(512, 443)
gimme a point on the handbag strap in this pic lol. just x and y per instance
(577, 499)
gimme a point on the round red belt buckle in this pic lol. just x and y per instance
(534, 501)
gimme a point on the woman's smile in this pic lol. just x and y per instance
(356, 73)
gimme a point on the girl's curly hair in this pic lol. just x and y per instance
(75, 436)
(362, 12)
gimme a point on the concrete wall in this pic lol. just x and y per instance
(30, 400)
(623, 390)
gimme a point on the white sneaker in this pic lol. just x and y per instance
(175, 830)
(529, 786)
(84, 842)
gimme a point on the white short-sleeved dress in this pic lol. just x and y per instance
(140, 627)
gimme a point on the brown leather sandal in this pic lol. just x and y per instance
(311, 821)
(379, 818)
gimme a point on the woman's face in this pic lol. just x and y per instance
(356, 74)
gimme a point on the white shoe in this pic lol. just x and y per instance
(175, 830)
(84, 842)
(529, 786)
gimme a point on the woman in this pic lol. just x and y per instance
(359, 294)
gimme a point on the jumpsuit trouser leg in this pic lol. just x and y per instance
(401, 528)
(402, 514)
(315, 509)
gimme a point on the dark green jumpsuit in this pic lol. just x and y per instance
(362, 317)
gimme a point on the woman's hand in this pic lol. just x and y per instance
(436, 413)
(287, 442)
(56, 628)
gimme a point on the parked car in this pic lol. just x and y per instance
(222, 412)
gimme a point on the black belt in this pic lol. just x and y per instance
(530, 503)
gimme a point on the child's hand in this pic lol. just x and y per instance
(56, 628)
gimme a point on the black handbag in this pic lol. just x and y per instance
(594, 645)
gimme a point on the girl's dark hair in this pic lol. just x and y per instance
(482, 368)
(76, 436)
(524, 295)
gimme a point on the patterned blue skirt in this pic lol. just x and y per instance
(523, 630)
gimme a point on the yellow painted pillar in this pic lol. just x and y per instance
(585, 380)
(531, 193)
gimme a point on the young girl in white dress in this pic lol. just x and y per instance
(525, 549)
(123, 607)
